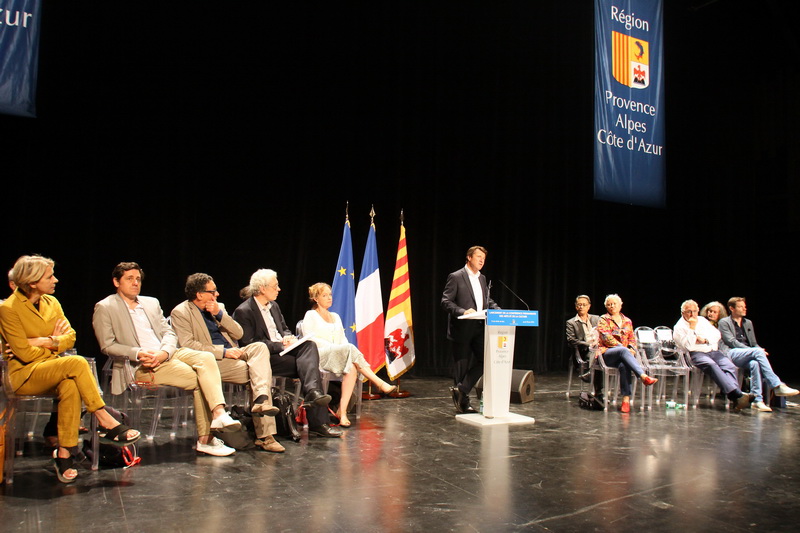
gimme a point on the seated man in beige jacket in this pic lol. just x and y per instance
(202, 323)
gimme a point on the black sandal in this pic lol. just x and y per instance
(117, 436)
(62, 465)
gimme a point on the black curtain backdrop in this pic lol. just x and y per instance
(222, 138)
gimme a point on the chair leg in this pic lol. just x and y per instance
(569, 379)
(95, 442)
(10, 423)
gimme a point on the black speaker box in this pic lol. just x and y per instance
(521, 386)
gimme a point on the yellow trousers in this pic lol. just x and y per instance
(72, 380)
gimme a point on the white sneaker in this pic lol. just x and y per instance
(225, 423)
(760, 406)
(215, 447)
(784, 390)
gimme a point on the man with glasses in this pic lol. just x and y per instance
(262, 322)
(696, 335)
(202, 323)
(739, 339)
(581, 335)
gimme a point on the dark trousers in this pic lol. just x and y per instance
(303, 363)
(468, 359)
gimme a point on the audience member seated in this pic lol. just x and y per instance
(617, 345)
(581, 335)
(36, 330)
(202, 324)
(133, 327)
(713, 312)
(697, 336)
(336, 355)
(739, 339)
(262, 321)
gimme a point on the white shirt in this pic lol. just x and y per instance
(686, 338)
(272, 328)
(477, 291)
(144, 330)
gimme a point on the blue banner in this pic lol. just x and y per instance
(629, 103)
(19, 56)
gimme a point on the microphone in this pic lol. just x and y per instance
(512, 292)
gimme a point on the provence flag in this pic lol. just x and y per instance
(19, 56)
(369, 307)
(399, 331)
(343, 288)
(629, 103)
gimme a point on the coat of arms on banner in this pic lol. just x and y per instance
(630, 60)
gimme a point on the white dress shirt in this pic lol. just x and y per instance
(686, 338)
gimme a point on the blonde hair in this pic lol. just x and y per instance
(315, 290)
(29, 269)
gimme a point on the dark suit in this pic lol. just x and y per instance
(301, 362)
(466, 335)
(576, 338)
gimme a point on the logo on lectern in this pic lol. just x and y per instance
(502, 341)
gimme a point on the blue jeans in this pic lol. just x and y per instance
(755, 359)
(621, 358)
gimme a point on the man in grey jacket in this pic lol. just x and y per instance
(739, 339)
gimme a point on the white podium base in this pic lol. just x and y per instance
(511, 419)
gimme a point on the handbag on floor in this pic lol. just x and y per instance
(114, 456)
(285, 420)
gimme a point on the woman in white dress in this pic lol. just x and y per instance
(336, 354)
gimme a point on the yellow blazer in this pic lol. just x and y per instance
(20, 320)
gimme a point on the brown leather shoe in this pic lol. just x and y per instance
(269, 444)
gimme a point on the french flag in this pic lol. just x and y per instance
(369, 307)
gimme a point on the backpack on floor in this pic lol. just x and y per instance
(589, 401)
(242, 438)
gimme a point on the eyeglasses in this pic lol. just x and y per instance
(211, 292)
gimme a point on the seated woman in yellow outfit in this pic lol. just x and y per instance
(336, 355)
(34, 326)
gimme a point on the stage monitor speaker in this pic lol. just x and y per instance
(521, 386)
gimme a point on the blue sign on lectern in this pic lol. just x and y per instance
(508, 317)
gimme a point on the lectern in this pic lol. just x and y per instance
(498, 364)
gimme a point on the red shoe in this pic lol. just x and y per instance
(626, 407)
(647, 380)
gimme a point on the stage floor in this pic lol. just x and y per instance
(409, 466)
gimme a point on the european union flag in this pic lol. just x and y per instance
(343, 288)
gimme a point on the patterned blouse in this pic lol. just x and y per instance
(612, 335)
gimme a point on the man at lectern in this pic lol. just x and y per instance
(466, 292)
